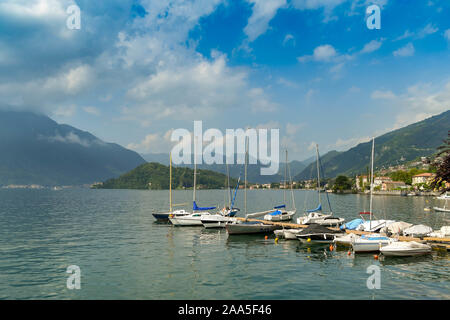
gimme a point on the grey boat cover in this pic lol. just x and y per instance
(396, 227)
(419, 230)
(315, 228)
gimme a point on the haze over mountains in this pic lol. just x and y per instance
(393, 148)
(34, 149)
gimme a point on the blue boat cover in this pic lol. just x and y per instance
(279, 207)
(352, 225)
(196, 208)
(319, 208)
(374, 238)
(275, 213)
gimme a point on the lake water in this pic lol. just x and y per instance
(123, 254)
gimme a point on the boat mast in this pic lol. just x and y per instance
(228, 187)
(285, 178)
(318, 172)
(195, 168)
(170, 183)
(290, 181)
(371, 184)
(245, 174)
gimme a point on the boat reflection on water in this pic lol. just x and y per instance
(397, 261)
(212, 236)
(249, 240)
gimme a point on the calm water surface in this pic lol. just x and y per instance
(123, 254)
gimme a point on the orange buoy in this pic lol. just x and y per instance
(375, 256)
(266, 237)
(331, 247)
(349, 252)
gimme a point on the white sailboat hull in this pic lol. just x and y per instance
(243, 228)
(285, 216)
(288, 234)
(331, 221)
(313, 217)
(189, 220)
(441, 209)
(370, 243)
(346, 240)
(374, 225)
(216, 221)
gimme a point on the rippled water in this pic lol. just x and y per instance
(123, 254)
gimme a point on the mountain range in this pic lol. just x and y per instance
(236, 170)
(34, 149)
(419, 139)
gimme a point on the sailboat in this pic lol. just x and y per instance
(195, 218)
(316, 233)
(177, 213)
(371, 242)
(445, 197)
(220, 219)
(316, 215)
(280, 213)
(248, 227)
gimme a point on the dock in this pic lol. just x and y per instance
(437, 243)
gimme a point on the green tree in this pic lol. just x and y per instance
(443, 167)
(342, 183)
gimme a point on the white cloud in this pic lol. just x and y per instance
(418, 102)
(405, 51)
(447, 34)
(372, 46)
(289, 38)
(262, 12)
(287, 83)
(65, 112)
(427, 30)
(327, 6)
(92, 110)
(198, 87)
(71, 137)
(324, 53)
(377, 94)
(422, 33)
(345, 144)
(406, 35)
(292, 129)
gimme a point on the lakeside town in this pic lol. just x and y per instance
(414, 179)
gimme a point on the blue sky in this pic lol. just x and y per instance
(138, 69)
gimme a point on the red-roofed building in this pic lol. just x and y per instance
(426, 177)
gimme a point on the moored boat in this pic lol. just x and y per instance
(216, 220)
(287, 234)
(345, 240)
(418, 231)
(177, 213)
(249, 227)
(165, 216)
(405, 249)
(330, 221)
(445, 196)
(370, 243)
(279, 215)
(316, 233)
(316, 215)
